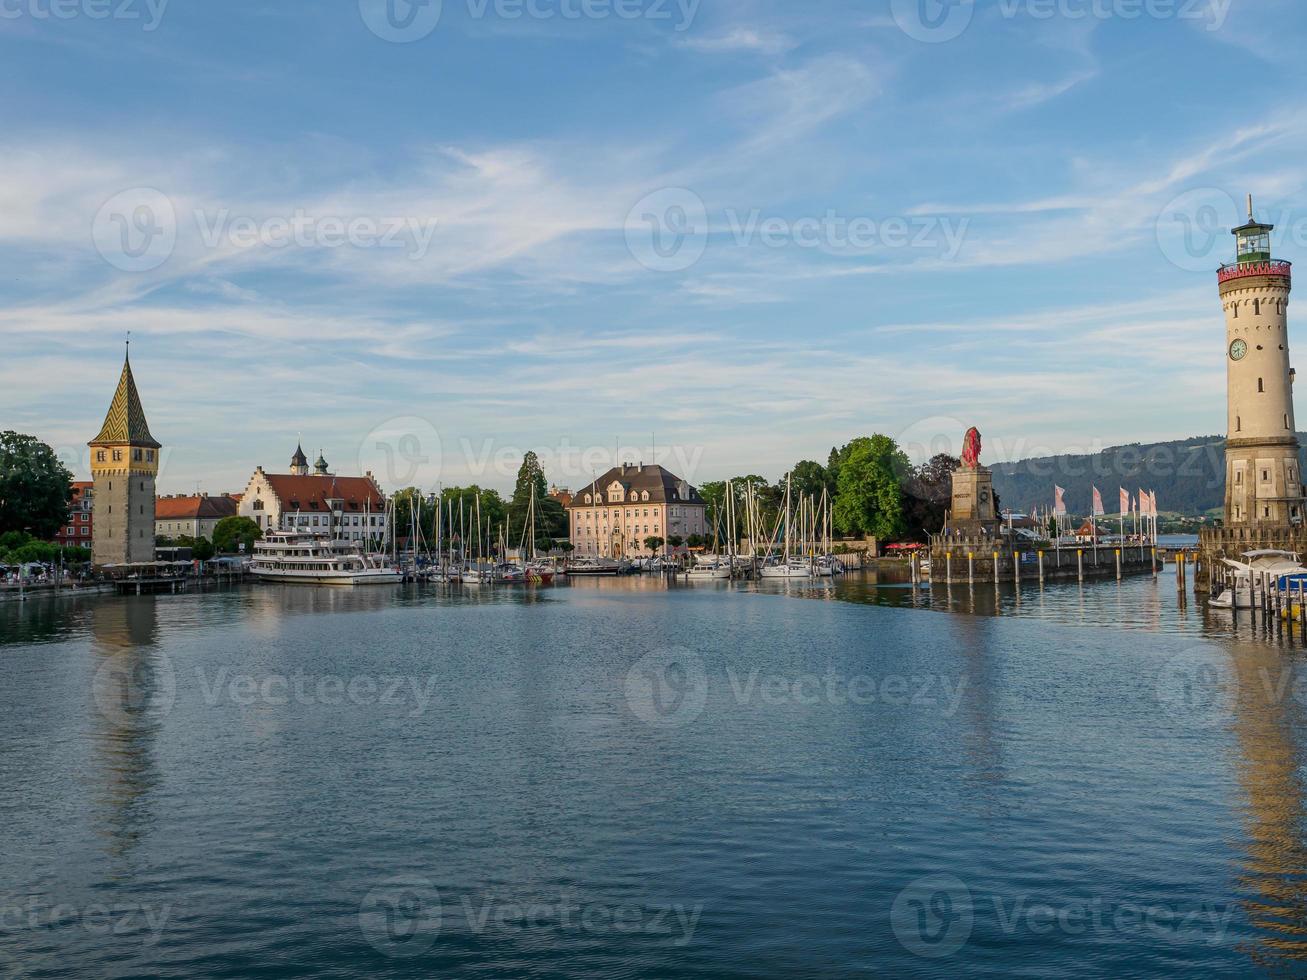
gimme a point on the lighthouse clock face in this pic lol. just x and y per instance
(1238, 349)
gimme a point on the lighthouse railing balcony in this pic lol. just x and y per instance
(1260, 267)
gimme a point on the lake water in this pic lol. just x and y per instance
(622, 779)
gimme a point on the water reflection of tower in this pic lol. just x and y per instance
(1268, 721)
(132, 688)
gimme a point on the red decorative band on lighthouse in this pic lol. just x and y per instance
(1239, 270)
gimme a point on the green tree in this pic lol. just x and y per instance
(550, 517)
(230, 532)
(674, 540)
(653, 542)
(492, 508)
(411, 503)
(35, 488)
(869, 498)
(928, 494)
(809, 479)
(201, 548)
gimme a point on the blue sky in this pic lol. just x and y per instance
(744, 231)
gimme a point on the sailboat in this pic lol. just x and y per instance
(790, 566)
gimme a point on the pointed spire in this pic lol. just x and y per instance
(125, 422)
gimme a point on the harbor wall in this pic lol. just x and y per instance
(986, 559)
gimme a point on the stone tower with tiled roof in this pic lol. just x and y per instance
(124, 465)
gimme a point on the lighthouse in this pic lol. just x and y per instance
(1262, 480)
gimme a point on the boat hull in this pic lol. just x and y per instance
(329, 578)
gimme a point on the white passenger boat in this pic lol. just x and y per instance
(1258, 572)
(314, 559)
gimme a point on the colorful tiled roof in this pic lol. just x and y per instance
(194, 508)
(662, 485)
(125, 422)
(311, 493)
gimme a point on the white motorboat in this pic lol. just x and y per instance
(596, 566)
(709, 567)
(1259, 571)
(314, 559)
(794, 568)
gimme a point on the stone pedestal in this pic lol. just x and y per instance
(973, 500)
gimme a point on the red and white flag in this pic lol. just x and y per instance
(1098, 503)
(1125, 503)
(1059, 501)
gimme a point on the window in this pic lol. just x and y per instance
(149, 455)
(1238, 477)
(1265, 475)
(1238, 424)
(99, 455)
(117, 455)
(1260, 387)
(258, 504)
(136, 455)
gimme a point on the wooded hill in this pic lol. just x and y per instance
(1187, 474)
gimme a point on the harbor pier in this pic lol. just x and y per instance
(979, 559)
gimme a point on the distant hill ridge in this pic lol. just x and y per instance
(1187, 474)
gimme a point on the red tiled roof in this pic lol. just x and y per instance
(193, 508)
(310, 493)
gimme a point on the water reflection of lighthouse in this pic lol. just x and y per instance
(1269, 722)
(132, 688)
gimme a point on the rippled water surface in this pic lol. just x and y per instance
(621, 778)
